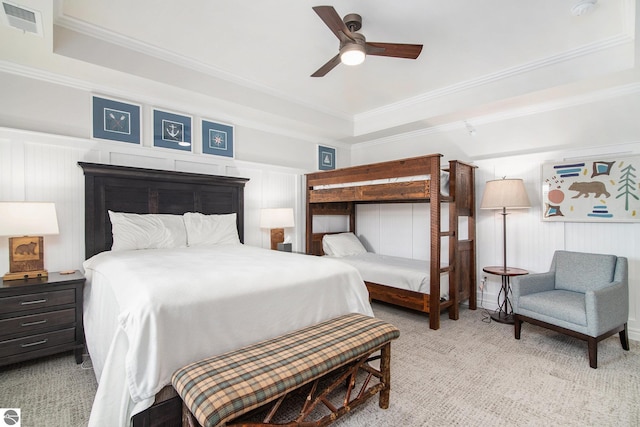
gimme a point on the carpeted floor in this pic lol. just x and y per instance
(468, 373)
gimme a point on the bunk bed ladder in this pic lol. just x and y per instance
(435, 243)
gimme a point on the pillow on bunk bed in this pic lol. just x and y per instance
(444, 183)
(343, 244)
(147, 231)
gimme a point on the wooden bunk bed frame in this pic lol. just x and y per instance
(461, 199)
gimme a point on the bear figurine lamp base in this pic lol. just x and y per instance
(505, 194)
(26, 253)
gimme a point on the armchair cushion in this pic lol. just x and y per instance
(555, 307)
(582, 272)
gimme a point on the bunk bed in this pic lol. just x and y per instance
(412, 180)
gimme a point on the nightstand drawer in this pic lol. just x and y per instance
(36, 300)
(37, 342)
(34, 322)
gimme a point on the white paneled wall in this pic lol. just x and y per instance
(531, 241)
(399, 229)
(403, 229)
(43, 167)
(272, 189)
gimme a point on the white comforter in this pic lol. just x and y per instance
(150, 312)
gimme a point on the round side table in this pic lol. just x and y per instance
(504, 313)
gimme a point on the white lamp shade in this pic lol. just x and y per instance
(28, 219)
(505, 193)
(276, 218)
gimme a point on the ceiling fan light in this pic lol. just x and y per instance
(352, 54)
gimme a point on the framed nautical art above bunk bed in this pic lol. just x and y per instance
(412, 180)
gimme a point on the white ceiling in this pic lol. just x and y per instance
(480, 58)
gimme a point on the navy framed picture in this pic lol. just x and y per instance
(217, 138)
(326, 158)
(116, 120)
(171, 130)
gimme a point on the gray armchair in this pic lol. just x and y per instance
(583, 295)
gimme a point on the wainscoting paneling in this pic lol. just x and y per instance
(42, 167)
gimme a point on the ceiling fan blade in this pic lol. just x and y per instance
(331, 18)
(330, 65)
(396, 50)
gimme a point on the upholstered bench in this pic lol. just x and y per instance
(219, 389)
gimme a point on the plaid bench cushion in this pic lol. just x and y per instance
(224, 387)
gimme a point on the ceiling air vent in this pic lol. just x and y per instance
(21, 18)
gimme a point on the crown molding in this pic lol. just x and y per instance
(150, 102)
(412, 103)
(573, 101)
(86, 29)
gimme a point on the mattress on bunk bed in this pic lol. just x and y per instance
(403, 273)
(397, 272)
(444, 182)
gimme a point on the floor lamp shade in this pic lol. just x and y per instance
(505, 194)
(276, 220)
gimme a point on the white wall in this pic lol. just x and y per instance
(45, 129)
(43, 167)
(530, 241)
(58, 105)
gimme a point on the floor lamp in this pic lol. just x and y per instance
(505, 194)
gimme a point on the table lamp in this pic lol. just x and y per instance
(26, 222)
(505, 194)
(276, 220)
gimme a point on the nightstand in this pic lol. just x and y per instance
(40, 317)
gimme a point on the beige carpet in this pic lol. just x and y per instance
(467, 373)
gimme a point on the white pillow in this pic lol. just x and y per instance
(343, 244)
(210, 229)
(444, 183)
(147, 231)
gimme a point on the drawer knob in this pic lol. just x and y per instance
(37, 301)
(31, 344)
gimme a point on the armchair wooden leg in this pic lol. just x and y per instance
(517, 326)
(624, 338)
(592, 343)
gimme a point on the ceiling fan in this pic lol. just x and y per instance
(353, 45)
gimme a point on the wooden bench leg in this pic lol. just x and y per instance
(188, 420)
(385, 370)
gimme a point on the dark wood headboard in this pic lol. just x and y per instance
(142, 191)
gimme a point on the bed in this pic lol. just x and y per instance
(403, 273)
(412, 180)
(152, 308)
